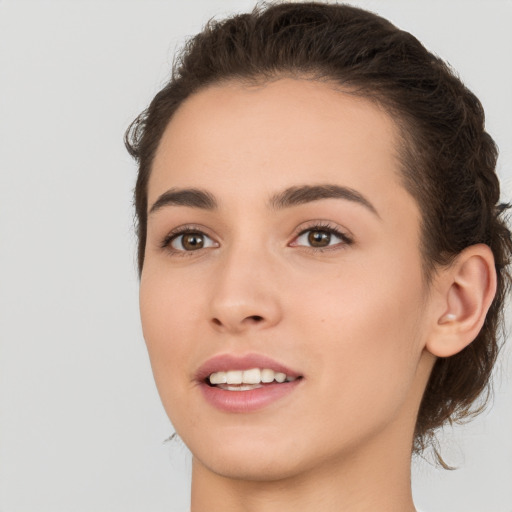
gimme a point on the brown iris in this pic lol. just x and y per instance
(319, 238)
(192, 241)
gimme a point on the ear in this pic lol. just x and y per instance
(464, 293)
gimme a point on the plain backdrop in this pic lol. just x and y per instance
(81, 425)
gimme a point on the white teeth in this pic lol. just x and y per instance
(240, 387)
(234, 377)
(252, 376)
(267, 375)
(280, 377)
(219, 378)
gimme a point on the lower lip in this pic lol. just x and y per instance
(247, 401)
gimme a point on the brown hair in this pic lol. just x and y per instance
(448, 159)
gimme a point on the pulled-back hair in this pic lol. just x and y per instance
(447, 158)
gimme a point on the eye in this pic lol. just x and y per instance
(320, 237)
(188, 241)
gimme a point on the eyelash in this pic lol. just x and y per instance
(326, 227)
(175, 233)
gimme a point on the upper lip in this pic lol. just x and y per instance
(226, 362)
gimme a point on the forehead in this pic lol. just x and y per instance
(233, 138)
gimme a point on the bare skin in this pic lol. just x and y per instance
(353, 317)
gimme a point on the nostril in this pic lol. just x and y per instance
(230, 323)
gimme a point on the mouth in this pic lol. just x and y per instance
(244, 384)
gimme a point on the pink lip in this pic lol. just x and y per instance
(244, 401)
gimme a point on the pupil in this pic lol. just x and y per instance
(319, 238)
(193, 241)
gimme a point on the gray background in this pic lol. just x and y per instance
(81, 425)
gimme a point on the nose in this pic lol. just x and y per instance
(245, 293)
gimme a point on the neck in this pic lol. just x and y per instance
(376, 478)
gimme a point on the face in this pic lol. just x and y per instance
(282, 245)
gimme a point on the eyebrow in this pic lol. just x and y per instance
(292, 196)
(192, 197)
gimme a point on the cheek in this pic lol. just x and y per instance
(169, 306)
(368, 337)
(169, 315)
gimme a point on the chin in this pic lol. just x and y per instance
(249, 456)
(264, 468)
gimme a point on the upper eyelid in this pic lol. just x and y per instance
(323, 225)
(183, 230)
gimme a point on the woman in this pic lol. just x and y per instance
(323, 258)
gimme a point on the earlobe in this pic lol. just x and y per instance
(466, 291)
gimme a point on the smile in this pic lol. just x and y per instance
(245, 384)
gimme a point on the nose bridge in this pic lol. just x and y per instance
(245, 292)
